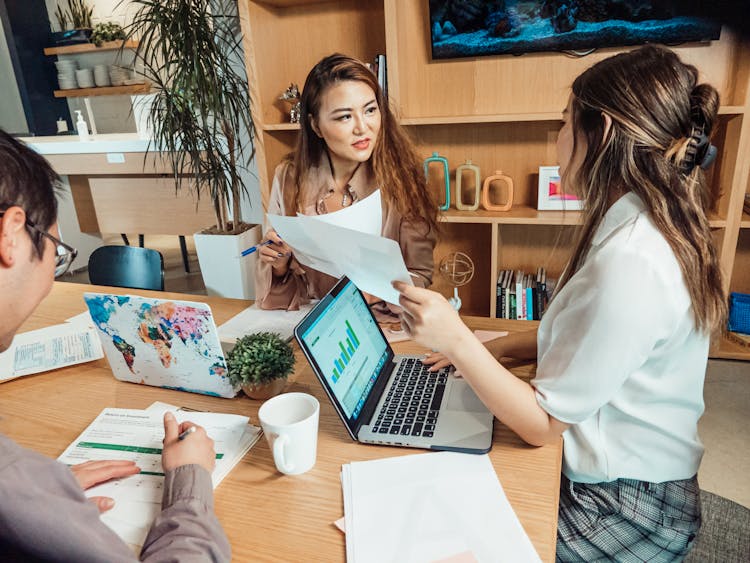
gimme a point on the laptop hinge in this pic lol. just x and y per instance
(368, 410)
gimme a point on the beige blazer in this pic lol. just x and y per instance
(301, 284)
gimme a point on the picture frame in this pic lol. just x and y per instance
(550, 195)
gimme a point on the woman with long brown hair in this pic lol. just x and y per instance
(350, 145)
(622, 348)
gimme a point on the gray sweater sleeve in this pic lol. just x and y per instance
(44, 515)
(187, 529)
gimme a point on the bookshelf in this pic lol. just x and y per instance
(501, 112)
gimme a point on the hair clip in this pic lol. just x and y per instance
(700, 151)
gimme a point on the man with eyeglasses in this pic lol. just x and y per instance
(44, 515)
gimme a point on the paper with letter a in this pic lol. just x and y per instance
(370, 261)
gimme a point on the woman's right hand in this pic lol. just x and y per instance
(195, 448)
(436, 361)
(277, 254)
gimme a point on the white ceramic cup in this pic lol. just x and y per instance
(290, 423)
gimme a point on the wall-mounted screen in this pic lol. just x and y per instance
(470, 28)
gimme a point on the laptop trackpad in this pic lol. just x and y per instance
(463, 398)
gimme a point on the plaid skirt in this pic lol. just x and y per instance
(627, 520)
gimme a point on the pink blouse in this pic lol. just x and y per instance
(301, 283)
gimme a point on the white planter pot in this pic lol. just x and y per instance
(225, 271)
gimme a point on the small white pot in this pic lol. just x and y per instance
(225, 271)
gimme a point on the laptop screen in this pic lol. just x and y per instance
(345, 342)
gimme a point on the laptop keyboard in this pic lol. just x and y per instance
(412, 404)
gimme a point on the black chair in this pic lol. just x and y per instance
(183, 248)
(127, 266)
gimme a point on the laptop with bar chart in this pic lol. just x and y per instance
(381, 397)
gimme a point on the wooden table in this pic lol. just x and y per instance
(267, 516)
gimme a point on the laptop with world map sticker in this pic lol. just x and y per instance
(161, 342)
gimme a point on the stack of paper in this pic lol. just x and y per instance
(254, 319)
(430, 507)
(137, 435)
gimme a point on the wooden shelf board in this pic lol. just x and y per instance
(520, 215)
(103, 91)
(731, 110)
(280, 126)
(745, 221)
(496, 118)
(728, 350)
(288, 3)
(716, 222)
(89, 48)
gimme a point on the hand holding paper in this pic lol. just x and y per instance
(336, 244)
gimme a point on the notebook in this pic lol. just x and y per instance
(381, 397)
(161, 342)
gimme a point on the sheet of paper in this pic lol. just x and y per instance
(254, 319)
(81, 319)
(137, 435)
(487, 335)
(426, 507)
(50, 348)
(371, 262)
(365, 217)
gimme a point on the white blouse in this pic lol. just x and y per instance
(621, 360)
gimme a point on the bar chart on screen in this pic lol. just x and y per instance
(348, 347)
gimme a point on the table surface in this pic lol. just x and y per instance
(267, 516)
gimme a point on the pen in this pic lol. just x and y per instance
(256, 247)
(184, 434)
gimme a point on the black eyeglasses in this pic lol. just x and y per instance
(65, 254)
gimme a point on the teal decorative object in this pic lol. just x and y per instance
(446, 176)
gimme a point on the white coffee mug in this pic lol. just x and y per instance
(290, 423)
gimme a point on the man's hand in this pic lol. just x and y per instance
(93, 473)
(196, 448)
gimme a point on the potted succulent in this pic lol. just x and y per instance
(190, 51)
(260, 363)
(106, 32)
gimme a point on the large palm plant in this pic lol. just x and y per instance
(190, 51)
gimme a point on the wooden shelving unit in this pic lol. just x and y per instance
(125, 90)
(90, 48)
(501, 112)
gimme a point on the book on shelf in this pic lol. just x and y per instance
(746, 205)
(522, 296)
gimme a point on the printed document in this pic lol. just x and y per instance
(428, 507)
(50, 348)
(137, 435)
